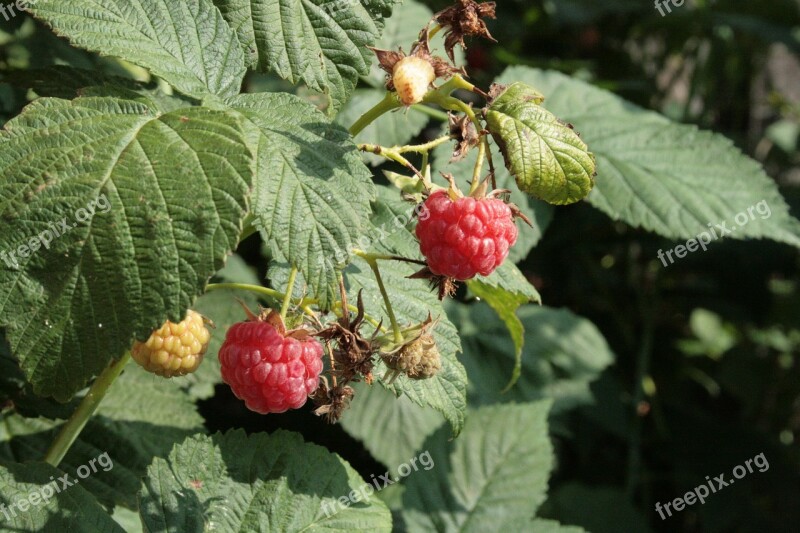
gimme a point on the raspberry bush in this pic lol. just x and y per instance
(385, 194)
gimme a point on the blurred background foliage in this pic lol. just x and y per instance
(706, 373)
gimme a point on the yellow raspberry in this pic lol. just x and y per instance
(412, 77)
(174, 349)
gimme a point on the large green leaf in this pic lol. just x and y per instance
(169, 193)
(547, 157)
(187, 43)
(492, 478)
(264, 483)
(322, 43)
(142, 417)
(73, 509)
(563, 354)
(668, 178)
(312, 192)
(391, 428)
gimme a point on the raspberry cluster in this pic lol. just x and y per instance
(174, 349)
(465, 237)
(270, 371)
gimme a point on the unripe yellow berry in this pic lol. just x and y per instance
(412, 77)
(174, 349)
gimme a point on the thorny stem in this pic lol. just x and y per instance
(398, 334)
(287, 298)
(389, 103)
(385, 257)
(304, 304)
(442, 98)
(72, 429)
(391, 154)
(394, 153)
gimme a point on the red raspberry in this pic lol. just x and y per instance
(464, 237)
(270, 371)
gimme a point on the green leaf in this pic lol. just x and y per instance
(665, 177)
(392, 429)
(489, 479)
(506, 290)
(505, 303)
(276, 482)
(142, 417)
(547, 157)
(563, 354)
(73, 510)
(312, 193)
(322, 43)
(151, 203)
(509, 278)
(188, 43)
(392, 129)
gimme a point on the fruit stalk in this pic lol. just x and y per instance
(287, 299)
(72, 429)
(389, 103)
(398, 334)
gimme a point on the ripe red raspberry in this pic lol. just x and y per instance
(270, 371)
(464, 237)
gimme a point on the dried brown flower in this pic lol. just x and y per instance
(465, 19)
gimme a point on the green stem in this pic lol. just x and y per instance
(303, 304)
(431, 112)
(287, 299)
(389, 103)
(398, 334)
(391, 154)
(264, 291)
(442, 98)
(72, 429)
(366, 256)
(423, 148)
